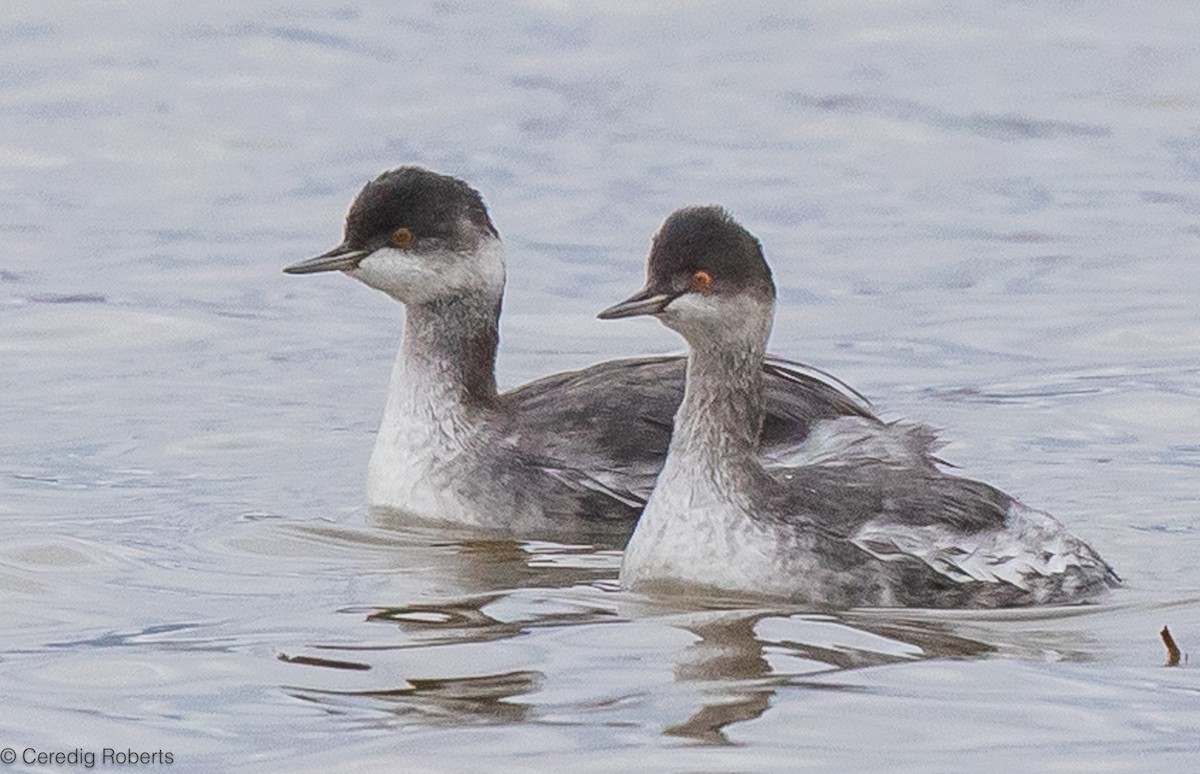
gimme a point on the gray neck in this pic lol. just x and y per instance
(721, 416)
(449, 351)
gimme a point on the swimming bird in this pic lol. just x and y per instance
(574, 450)
(845, 520)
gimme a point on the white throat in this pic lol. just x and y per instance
(696, 521)
(425, 425)
(442, 391)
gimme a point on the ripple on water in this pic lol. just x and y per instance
(186, 562)
(59, 329)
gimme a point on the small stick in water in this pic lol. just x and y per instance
(1172, 649)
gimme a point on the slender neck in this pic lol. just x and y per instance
(449, 352)
(721, 415)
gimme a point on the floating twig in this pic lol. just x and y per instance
(322, 662)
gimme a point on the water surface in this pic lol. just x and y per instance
(983, 217)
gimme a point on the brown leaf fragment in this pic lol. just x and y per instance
(1173, 653)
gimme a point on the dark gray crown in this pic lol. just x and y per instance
(708, 239)
(438, 209)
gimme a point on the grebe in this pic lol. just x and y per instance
(847, 520)
(574, 450)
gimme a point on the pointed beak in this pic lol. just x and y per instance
(645, 301)
(340, 258)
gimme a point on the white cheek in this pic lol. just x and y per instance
(488, 270)
(718, 318)
(393, 271)
(414, 278)
(694, 308)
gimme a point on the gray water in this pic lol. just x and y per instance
(984, 216)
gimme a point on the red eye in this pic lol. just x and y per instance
(701, 281)
(402, 237)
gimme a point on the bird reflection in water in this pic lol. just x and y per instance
(548, 613)
(425, 631)
(731, 662)
(432, 702)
